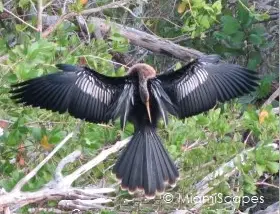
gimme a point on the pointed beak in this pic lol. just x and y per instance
(148, 110)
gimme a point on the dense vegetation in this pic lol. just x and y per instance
(242, 133)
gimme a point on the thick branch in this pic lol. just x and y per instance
(145, 40)
(23, 198)
(60, 187)
(138, 38)
(83, 204)
(68, 159)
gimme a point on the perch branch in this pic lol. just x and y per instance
(69, 179)
(60, 187)
(83, 205)
(68, 159)
(145, 40)
(21, 199)
(136, 37)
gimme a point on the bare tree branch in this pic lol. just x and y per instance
(39, 19)
(83, 205)
(68, 159)
(24, 22)
(138, 38)
(145, 40)
(272, 97)
(69, 179)
(60, 187)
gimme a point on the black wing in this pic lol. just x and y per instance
(198, 86)
(84, 93)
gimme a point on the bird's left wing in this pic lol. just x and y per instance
(83, 92)
(199, 85)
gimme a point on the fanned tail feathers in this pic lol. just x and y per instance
(145, 165)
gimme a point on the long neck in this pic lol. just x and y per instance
(144, 73)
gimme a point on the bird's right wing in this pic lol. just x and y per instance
(199, 85)
(84, 93)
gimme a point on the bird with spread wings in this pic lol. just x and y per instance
(143, 98)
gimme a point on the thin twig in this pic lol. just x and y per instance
(33, 5)
(50, 29)
(267, 102)
(39, 17)
(31, 174)
(272, 97)
(64, 9)
(48, 4)
(24, 22)
(267, 184)
(107, 60)
(46, 210)
(81, 19)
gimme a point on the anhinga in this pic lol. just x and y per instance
(141, 97)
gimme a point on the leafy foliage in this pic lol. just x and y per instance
(201, 16)
(199, 144)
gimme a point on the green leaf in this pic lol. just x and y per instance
(243, 14)
(265, 87)
(273, 167)
(220, 35)
(37, 133)
(217, 6)
(23, 3)
(208, 8)
(1, 6)
(12, 78)
(261, 17)
(21, 27)
(178, 66)
(55, 136)
(258, 30)
(260, 169)
(230, 25)
(237, 39)
(117, 37)
(14, 138)
(255, 39)
(254, 60)
(202, 120)
(204, 21)
(120, 71)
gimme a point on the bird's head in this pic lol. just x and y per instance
(144, 73)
